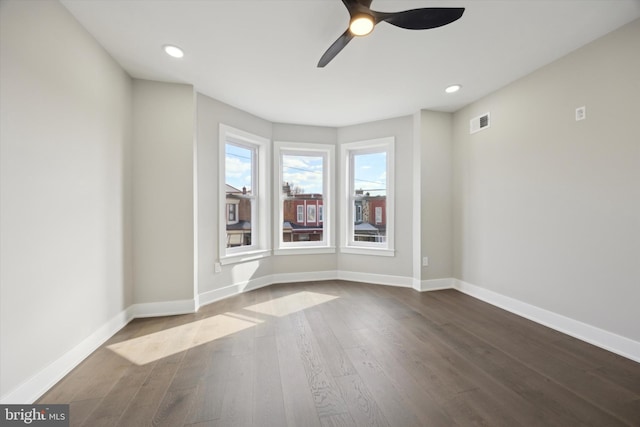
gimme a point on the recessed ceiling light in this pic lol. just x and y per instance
(173, 51)
(453, 88)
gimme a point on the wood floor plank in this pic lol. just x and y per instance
(390, 399)
(193, 367)
(332, 351)
(489, 395)
(174, 407)
(145, 403)
(207, 400)
(269, 400)
(554, 400)
(209, 394)
(570, 372)
(239, 392)
(339, 353)
(209, 423)
(299, 405)
(324, 389)
(424, 390)
(332, 317)
(467, 393)
(363, 408)
(337, 420)
(610, 367)
(120, 396)
(458, 375)
(80, 410)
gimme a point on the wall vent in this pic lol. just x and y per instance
(478, 123)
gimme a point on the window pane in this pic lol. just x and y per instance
(369, 197)
(302, 198)
(239, 175)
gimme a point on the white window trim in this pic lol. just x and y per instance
(261, 213)
(347, 214)
(328, 210)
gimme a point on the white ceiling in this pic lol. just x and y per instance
(261, 55)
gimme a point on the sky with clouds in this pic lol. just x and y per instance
(305, 171)
(370, 173)
(238, 167)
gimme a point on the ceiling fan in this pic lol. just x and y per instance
(363, 19)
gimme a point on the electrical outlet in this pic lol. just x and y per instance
(581, 113)
(217, 267)
(425, 261)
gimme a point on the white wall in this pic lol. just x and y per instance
(65, 211)
(210, 113)
(98, 192)
(163, 191)
(547, 209)
(400, 265)
(235, 277)
(287, 264)
(435, 196)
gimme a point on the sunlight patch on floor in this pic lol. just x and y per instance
(161, 344)
(158, 345)
(286, 305)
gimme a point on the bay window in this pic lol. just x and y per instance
(367, 195)
(303, 222)
(243, 195)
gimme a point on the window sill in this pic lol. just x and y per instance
(361, 250)
(300, 250)
(245, 256)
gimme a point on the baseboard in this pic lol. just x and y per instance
(377, 279)
(248, 285)
(607, 340)
(214, 295)
(163, 308)
(434, 284)
(314, 276)
(37, 385)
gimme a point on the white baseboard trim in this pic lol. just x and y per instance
(377, 279)
(593, 335)
(434, 284)
(214, 295)
(248, 285)
(42, 381)
(37, 385)
(163, 308)
(314, 276)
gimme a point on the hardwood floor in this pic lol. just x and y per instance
(347, 354)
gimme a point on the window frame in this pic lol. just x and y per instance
(347, 197)
(327, 245)
(260, 209)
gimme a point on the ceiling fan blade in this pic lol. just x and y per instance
(421, 19)
(354, 3)
(335, 48)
